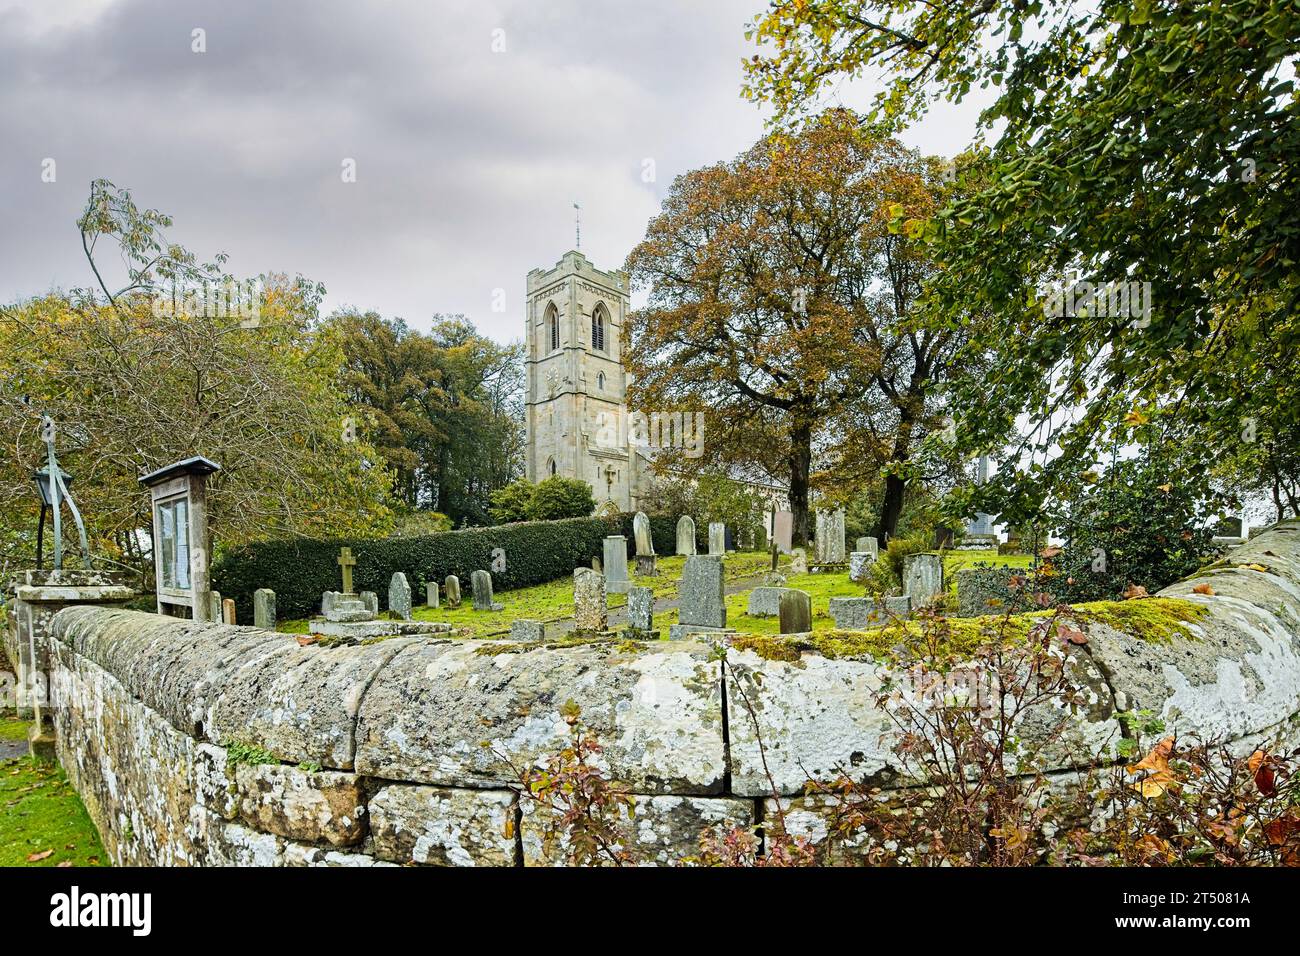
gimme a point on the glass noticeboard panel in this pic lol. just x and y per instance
(174, 543)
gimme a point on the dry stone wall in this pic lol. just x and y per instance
(210, 744)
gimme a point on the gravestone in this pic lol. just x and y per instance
(596, 565)
(783, 530)
(431, 594)
(829, 541)
(228, 610)
(796, 611)
(370, 601)
(922, 577)
(870, 545)
(328, 601)
(860, 563)
(590, 609)
(686, 535)
(898, 606)
(264, 609)
(480, 583)
(640, 615)
(717, 538)
(856, 613)
(616, 579)
(765, 601)
(214, 611)
(399, 596)
(527, 630)
(701, 604)
(799, 561)
(645, 544)
(452, 586)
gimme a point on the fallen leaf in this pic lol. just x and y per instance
(1073, 635)
(37, 857)
(64, 865)
(1257, 567)
(1134, 591)
(305, 641)
(1203, 589)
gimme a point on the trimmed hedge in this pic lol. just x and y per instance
(299, 570)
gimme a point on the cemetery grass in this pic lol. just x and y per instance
(553, 601)
(42, 820)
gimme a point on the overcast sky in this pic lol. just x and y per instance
(468, 161)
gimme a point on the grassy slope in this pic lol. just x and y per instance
(40, 811)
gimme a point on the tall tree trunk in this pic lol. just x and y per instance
(800, 467)
(891, 507)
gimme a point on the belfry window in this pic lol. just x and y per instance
(598, 328)
(553, 325)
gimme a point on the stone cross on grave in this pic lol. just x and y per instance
(347, 562)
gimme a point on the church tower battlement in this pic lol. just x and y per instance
(575, 383)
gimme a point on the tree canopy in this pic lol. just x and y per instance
(1149, 142)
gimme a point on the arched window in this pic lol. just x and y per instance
(598, 327)
(551, 466)
(553, 325)
(600, 381)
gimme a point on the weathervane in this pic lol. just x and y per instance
(52, 483)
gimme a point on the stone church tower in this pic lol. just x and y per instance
(575, 384)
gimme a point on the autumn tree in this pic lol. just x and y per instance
(1130, 141)
(442, 408)
(780, 299)
(146, 366)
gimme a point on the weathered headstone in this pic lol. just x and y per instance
(590, 607)
(870, 545)
(527, 630)
(596, 564)
(922, 577)
(701, 597)
(640, 614)
(795, 611)
(717, 538)
(480, 583)
(264, 609)
(799, 561)
(860, 563)
(228, 610)
(452, 586)
(616, 579)
(328, 601)
(431, 594)
(829, 543)
(686, 535)
(645, 544)
(856, 613)
(783, 530)
(765, 601)
(370, 601)
(399, 596)
(898, 606)
(215, 612)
